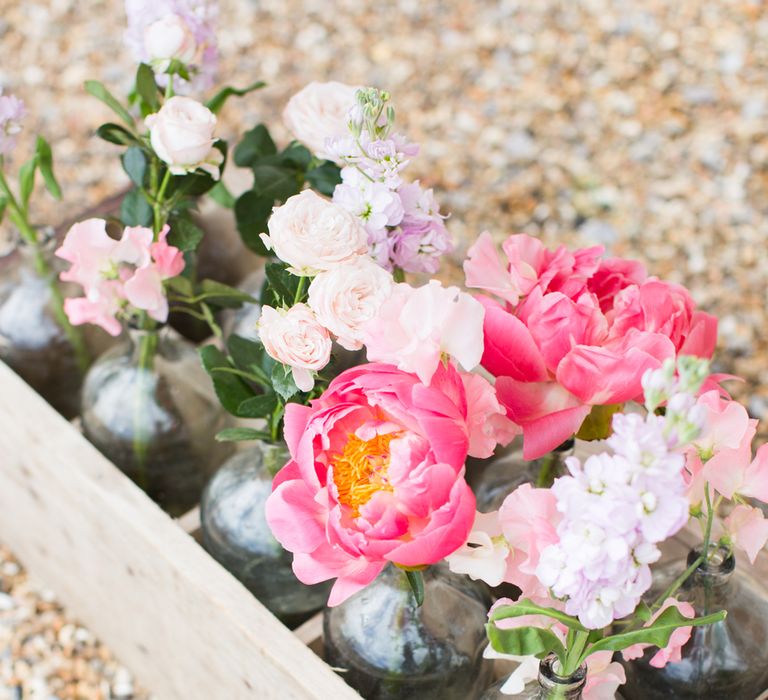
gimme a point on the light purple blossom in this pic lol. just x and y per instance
(12, 111)
(199, 17)
(373, 202)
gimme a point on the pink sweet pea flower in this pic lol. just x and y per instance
(416, 325)
(169, 260)
(488, 425)
(575, 332)
(144, 290)
(376, 475)
(99, 307)
(90, 250)
(672, 653)
(748, 529)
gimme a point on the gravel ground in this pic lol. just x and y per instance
(642, 126)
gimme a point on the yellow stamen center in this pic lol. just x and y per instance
(361, 470)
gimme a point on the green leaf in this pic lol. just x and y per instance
(282, 381)
(185, 234)
(146, 87)
(657, 633)
(218, 100)
(643, 612)
(416, 582)
(276, 182)
(254, 145)
(27, 180)
(180, 284)
(597, 425)
(221, 195)
(241, 434)
(114, 133)
(296, 156)
(3, 205)
(282, 285)
(247, 354)
(251, 214)
(97, 89)
(324, 178)
(528, 607)
(199, 182)
(135, 165)
(258, 406)
(223, 295)
(231, 389)
(45, 163)
(135, 210)
(525, 641)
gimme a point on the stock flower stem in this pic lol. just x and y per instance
(147, 347)
(575, 652)
(157, 206)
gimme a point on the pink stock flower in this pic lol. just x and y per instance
(747, 528)
(575, 332)
(672, 652)
(12, 111)
(416, 325)
(376, 475)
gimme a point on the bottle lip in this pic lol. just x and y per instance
(721, 562)
(549, 678)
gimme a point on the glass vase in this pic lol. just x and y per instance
(727, 659)
(388, 648)
(36, 340)
(243, 321)
(493, 479)
(148, 406)
(236, 534)
(548, 686)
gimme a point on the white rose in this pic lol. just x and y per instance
(167, 39)
(318, 112)
(295, 338)
(313, 234)
(348, 296)
(182, 135)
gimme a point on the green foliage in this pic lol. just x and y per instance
(97, 89)
(528, 607)
(255, 144)
(146, 88)
(282, 381)
(525, 641)
(252, 211)
(221, 195)
(27, 181)
(324, 178)
(45, 164)
(597, 425)
(219, 99)
(114, 133)
(135, 210)
(416, 582)
(184, 233)
(231, 389)
(242, 434)
(135, 165)
(283, 286)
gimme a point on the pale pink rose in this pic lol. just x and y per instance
(748, 529)
(376, 475)
(169, 260)
(319, 113)
(312, 234)
(416, 325)
(182, 135)
(348, 296)
(295, 338)
(672, 652)
(167, 39)
(488, 422)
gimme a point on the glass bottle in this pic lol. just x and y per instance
(243, 321)
(388, 648)
(236, 534)
(548, 686)
(727, 659)
(493, 479)
(148, 406)
(36, 340)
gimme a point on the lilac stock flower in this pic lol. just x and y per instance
(195, 18)
(11, 113)
(373, 202)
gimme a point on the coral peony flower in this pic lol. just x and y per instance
(376, 475)
(416, 325)
(575, 332)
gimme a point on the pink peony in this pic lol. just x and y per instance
(416, 325)
(376, 475)
(575, 332)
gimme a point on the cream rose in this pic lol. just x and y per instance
(182, 135)
(295, 338)
(319, 112)
(170, 38)
(348, 296)
(312, 234)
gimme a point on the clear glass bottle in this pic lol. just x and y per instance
(391, 649)
(148, 406)
(243, 321)
(728, 659)
(236, 534)
(494, 478)
(34, 341)
(548, 686)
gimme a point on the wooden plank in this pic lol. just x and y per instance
(187, 628)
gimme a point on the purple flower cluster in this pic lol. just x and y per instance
(11, 113)
(404, 224)
(616, 509)
(195, 17)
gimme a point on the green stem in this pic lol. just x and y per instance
(147, 349)
(169, 87)
(574, 653)
(43, 269)
(299, 290)
(157, 206)
(545, 477)
(710, 518)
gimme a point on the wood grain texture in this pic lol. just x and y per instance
(186, 627)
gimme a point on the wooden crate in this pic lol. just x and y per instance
(185, 626)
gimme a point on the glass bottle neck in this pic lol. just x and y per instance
(713, 576)
(555, 687)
